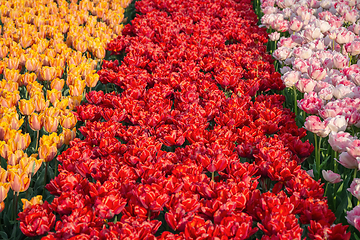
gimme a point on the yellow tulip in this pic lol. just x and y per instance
(4, 189)
(51, 123)
(27, 107)
(68, 121)
(47, 152)
(34, 201)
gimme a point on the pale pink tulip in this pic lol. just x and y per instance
(282, 53)
(331, 177)
(326, 93)
(311, 173)
(351, 16)
(305, 85)
(300, 65)
(340, 141)
(316, 73)
(316, 126)
(355, 188)
(344, 36)
(340, 61)
(302, 52)
(312, 33)
(274, 36)
(311, 103)
(296, 24)
(290, 78)
(353, 217)
(336, 124)
(354, 148)
(342, 91)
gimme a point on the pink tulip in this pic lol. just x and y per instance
(316, 126)
(311, 173)
(341, 61)
(351, 16)
(282, 53)
(353, 48)
(355, 188)
(305, 85)
(324, 26)
(331, 177)
(336, 124)
(348, 161)
(354, 148)
(287, 42)
(316, 73)
(274, 36)
(300, 65)
(326, 93)
(340, 141)
(310, 103)
(296, 24)
(353, 217)
(342, 91)
(302, 52)
(312, 33)
(344, 36)
(290, 78)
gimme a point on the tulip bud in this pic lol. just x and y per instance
(15, 157)
(80, 45)
(47, 152)
(51, 124)
(27, 107)
(35, 122)
(100, 52)
(48, 73)
(91, 80)
(74, 102)
(30, 165)
(26, 40)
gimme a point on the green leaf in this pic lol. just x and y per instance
(3, 235)
(356, 236)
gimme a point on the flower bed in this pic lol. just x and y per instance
(321, 60)
(188, 149)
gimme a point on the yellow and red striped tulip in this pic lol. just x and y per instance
(69, 135)
(32, 64)
(19, 181)
(4, 189)
(57, 84)
(91, 80)
(51, 123)
(48, 73)
(53, 95)
(47, 152)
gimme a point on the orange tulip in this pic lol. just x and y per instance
(15, 157)
(35, 121)
(5, 149)
(32, 64)
(19, 181)
(53, 95)
(12, 120)
(4, 189)
(13, 63)
(4, 50)
(62, 105)
(68, 121)
(22, 141)
(2, 206)
(51, 111)
(69, 135)
(100, 52)
(37, 200)
(78, 88)
(26, 40)
(81, 46)
(30, 165)
(27, 78)
(51, 139)
(48, 73)
(91, 80)
(40, 103)
(27, 107)
(3, 175)
(51, 124)
(47, 152)
(74, 102)
(11, 74)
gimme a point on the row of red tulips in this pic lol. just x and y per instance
(186, 151)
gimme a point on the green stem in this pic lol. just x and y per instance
(295, 100)
(317, 159)
(37, 140)
(335, 163)
(355, 172)
(46, 169)
(149, 215)
(212, 176)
